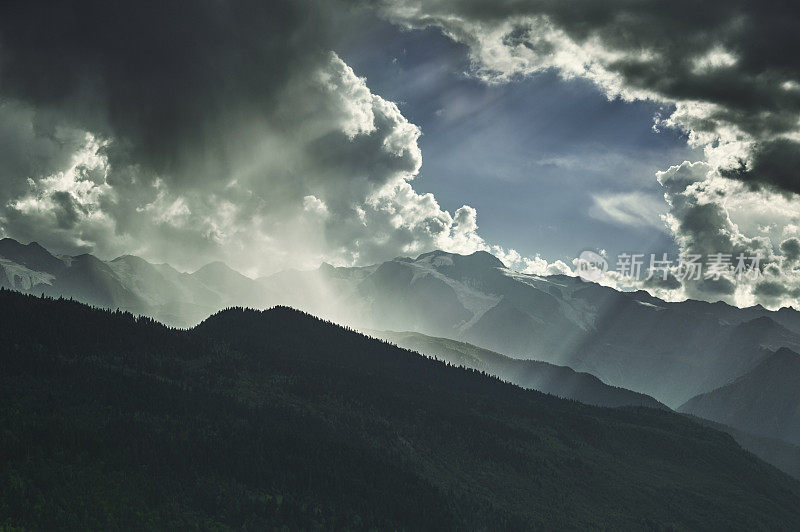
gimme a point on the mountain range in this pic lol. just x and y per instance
(632, 342)
(671, 351)
(277, 419)
(127, 282)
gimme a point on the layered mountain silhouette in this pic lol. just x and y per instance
(670, 351)
(278, 419)
(532, 374)
(766, 400)
(565, 382)
(780, 453)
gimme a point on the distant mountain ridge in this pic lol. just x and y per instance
(128, 282)
(765, 400)
(532, 374)
(771, 446)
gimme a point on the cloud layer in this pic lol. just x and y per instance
(724, 66)
(216, 130)
(727, 77)
(233, 131)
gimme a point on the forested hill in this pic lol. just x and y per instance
(263, 419)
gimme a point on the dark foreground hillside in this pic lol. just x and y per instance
(276, 418)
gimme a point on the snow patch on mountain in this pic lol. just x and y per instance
(574, 309)
(472, 299)
(19, 277)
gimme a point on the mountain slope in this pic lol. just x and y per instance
(271, 419)
(532, 374)
(763, 401)
(779, 453)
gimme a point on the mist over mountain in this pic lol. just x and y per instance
(128, 282)
(763, 401)
(532, 374)
(671, 351)
(780, 453)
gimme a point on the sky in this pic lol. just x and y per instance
(284, 134)
(548, 163)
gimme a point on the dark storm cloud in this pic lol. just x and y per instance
(196, 131)
(738, 57)
(657, 281)
(774, 163)
(31, 145)
(170, 81)
(760, 34)
(67, 212)
(719, 287)
(770, 289)
(791, 250)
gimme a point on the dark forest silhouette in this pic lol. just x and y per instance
(261, 419)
